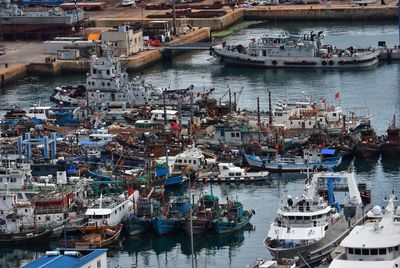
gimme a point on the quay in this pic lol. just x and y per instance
(25, 58)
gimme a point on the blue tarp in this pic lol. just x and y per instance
(328, 151)
(72, 169)
(161, 171)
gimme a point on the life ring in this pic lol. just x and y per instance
(331, 62)
(274, 62)
(323, 62)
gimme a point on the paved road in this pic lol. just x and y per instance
(22, 52)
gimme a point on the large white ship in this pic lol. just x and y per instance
(309, 227)
(287, 51)
(375, 243)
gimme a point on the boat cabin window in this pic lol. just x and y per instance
(350, 250)
(232, 174)
(225, 168)
(194, 161)
(95, 71)
(374, 251)
(365, 251)
(382, 251)
(357, 251)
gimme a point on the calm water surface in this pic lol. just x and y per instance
(376, 89)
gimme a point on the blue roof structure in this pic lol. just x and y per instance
(63, 261)
(328, 151)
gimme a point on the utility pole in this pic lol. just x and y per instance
(270, 108)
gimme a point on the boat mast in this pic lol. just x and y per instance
(191, 222)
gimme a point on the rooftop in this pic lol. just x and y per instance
(66, 257)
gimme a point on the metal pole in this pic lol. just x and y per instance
(191, 224)
(173, 17)
(191, 116)
(270, 107)
(258, 119)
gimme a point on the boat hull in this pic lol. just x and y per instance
(8, 240)
(136, 225)
(164, 226)
(225, 227)
(231, 58)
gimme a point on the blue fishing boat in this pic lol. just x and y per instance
(311, 159)
(177, 209)
(140, 221)
(174, 181)
(233, 218)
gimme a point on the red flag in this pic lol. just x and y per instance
(337, 95)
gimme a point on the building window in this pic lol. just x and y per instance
(94, 71)
(103, 84)
(99, 264)
(232, 135)
(108, 72)
(47, 218)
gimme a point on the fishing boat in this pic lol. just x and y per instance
(375, 243)
(106, 84)
(232, 218)
(208, 210)
(101, 239)
(275, 263)
(109, 210)
(288, 51)
(25, 238)
(140, 220)
(176, 210)
(228, 172)
(171, 181)
(312, 159)
(309, 227)
(390, 146)
(368, 145)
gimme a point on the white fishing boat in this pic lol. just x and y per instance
(288, 51)
(228, 172)
(276, 263)
(110, 210)
(106, 84)
(376, 243)
(126, 3)
(42, 113)
(312, 159)
(310, 226)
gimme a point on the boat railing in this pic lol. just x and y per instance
(301, 209)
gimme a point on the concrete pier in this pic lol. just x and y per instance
(322, 12)
(12, 73)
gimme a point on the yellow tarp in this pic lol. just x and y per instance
(93, 36)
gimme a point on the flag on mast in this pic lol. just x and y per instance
(337, 95)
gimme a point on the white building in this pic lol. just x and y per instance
(124, 40)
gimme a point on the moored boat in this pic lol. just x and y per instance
(288, 51)
(232, 218)
(309, 227)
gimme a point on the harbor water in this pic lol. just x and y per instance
(375, 91)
